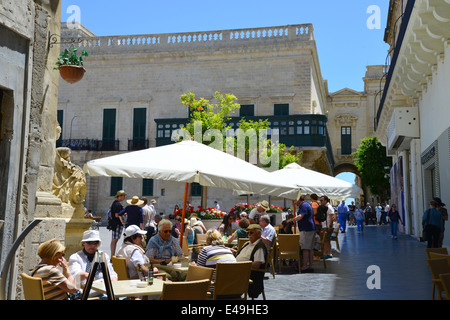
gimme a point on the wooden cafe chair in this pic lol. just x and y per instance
(232, 280)
(33, 288)
(288, 248)
(435, 250)
(186, 290)
(120, 267)
(438, 267)
(199, 273)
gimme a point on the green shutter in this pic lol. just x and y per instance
(196, 189)
(109, 124)
(247, 110)
(147, 187)
(139, 123)
(116, 185)
(346, 140)
(281, 109)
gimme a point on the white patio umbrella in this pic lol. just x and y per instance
(311, 181)
(190, 161)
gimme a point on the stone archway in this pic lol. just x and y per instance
(350, 167)
(346, 167)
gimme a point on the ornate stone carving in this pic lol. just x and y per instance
(346, 119)
(69, 180)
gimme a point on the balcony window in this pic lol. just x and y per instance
(247, 110)
(281, 109)
(346, 140)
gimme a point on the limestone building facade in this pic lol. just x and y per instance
(129, 98)
(411, 118)
(28, 101)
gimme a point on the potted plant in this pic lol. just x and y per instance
(70, 65)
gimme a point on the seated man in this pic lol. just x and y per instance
(255, 250)
(268, 233)
(81, 262)
(162, 247)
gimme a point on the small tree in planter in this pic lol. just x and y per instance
(70, 65)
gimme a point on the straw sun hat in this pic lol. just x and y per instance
(135, 201)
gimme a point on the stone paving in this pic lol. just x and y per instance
(403, 271)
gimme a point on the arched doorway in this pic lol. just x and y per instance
(348, 172)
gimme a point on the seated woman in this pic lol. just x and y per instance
(56, 284)
(241, 232)
(132, 251)
(228, 225)
(214, 252)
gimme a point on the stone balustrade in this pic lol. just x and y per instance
(301, 32)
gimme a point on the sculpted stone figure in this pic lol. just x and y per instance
(69, 180)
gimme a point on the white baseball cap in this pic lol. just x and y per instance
(132, 230)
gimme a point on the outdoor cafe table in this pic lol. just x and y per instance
(129, 289)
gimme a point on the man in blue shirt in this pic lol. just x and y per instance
(306, 226)
(342, 215)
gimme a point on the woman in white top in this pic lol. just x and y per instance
(132, 251)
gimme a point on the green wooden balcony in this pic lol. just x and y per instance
(296, 130)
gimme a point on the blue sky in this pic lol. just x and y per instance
(344, 42)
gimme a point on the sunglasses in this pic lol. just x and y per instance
(93, 242)
(250, 232)
(166, 231)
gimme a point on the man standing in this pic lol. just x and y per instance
(115, 224)
(306, 226)
(133, 212)
(327, 224)
(254, 250)
(152, 212)
(351, 214)
(254, 215)
(146, 211)
(386, 210)
(342, 215)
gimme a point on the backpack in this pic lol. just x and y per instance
(321, 214)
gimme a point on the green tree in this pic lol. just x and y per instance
(215, 116)
(371, 160)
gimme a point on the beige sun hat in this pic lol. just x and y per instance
(264, 204)
(135, 201)
(120, 193)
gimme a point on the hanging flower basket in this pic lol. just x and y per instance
(71, 74)
(70, 65)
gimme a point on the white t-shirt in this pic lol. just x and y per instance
(246, 252)
(328, 223)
